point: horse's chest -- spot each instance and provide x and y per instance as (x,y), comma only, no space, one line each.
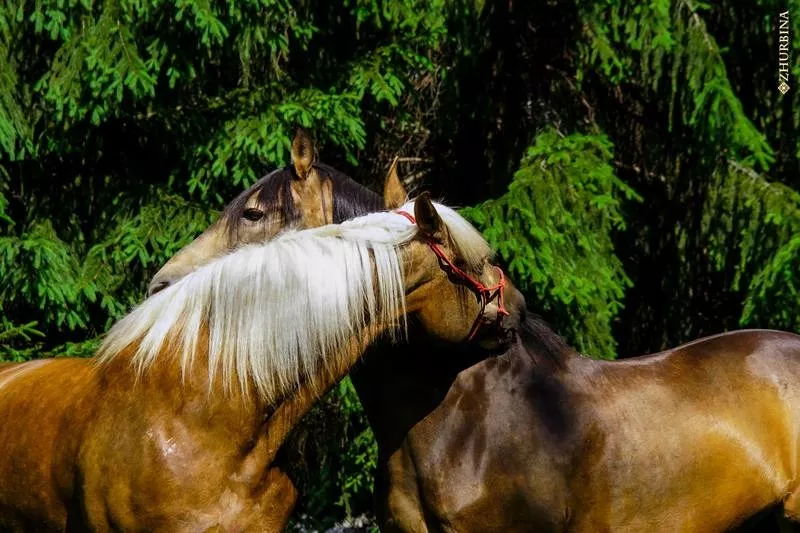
(488,478)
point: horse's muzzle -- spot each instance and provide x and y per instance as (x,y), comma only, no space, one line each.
(503,332)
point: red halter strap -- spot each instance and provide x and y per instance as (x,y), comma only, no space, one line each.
(485,294)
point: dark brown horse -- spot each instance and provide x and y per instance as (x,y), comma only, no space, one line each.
(177,425)
(540,438)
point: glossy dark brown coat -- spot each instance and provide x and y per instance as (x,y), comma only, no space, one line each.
(695,439)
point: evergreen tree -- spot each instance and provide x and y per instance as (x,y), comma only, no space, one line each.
(684,96)
(124,125)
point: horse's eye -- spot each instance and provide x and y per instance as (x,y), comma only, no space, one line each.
(253,215)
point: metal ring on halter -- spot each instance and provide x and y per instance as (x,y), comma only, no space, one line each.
(485,294)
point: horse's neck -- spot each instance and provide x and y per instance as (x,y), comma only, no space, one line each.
(188,398)
(186,410)
(294,406)
(400,385)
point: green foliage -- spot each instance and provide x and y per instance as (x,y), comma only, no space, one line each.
(16,340)
(128,107)
(666,44)
(358,460)
(554,228)
(709,140)
(334,472)
(38,269)
(758,222)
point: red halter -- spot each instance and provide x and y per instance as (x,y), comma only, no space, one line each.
(485,294)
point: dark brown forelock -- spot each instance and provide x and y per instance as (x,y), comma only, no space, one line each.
(350,199)
(273,195)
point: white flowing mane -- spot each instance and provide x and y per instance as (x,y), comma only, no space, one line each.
(280,311)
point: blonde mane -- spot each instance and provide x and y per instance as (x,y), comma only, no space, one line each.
(278,313)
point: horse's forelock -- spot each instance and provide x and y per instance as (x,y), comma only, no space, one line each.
(274,196)
(350,199)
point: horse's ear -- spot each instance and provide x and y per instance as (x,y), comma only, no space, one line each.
(428,220)
(302,153)
(394,194)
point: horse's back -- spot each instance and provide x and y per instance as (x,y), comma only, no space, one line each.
(775,355)
(714,422)
(40,381)
(763,365)
(39,424)
(730,363)
(744,342)
(7,365)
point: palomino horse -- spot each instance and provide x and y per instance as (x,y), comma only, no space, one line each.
(175,426)
(540,438)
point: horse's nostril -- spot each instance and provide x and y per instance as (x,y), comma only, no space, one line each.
(157,286)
